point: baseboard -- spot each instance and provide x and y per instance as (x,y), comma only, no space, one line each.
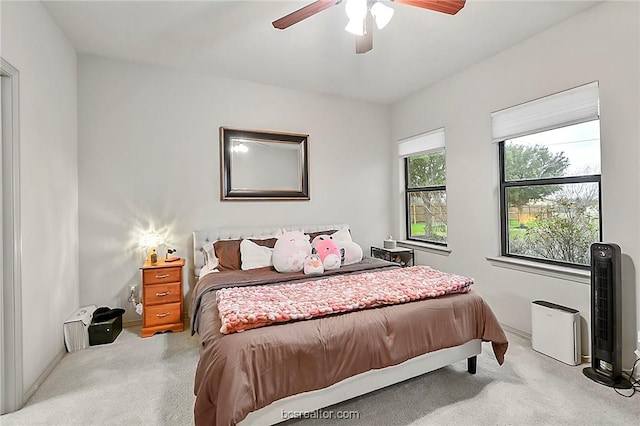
(516,332)
(138,322)
(132,323)
(29,393)
(584,358)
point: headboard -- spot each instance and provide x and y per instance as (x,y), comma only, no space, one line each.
(200,238)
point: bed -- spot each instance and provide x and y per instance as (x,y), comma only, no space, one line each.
(253,377)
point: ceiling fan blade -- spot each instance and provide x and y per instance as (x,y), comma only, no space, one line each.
(364,43)
(450,7)
(303,13)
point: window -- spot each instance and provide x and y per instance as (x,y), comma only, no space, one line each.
(425,187)
(550,179)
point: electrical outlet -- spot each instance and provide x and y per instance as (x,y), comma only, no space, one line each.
(133,293)
(637,352)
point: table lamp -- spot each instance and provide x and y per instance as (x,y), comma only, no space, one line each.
(151,241)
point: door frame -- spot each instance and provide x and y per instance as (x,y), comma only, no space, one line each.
(11,372)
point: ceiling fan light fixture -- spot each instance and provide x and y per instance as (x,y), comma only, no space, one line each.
(382,14)
(355,26)
(356,11)
(362,14)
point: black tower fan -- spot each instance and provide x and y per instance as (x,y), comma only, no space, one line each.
(606,317)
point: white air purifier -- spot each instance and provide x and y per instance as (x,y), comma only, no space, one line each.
(76,328)
(555,331)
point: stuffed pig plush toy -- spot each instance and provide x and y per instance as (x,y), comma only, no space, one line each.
(350,252)
(329,253)
(290,251)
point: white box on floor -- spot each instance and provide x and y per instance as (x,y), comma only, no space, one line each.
(555,331)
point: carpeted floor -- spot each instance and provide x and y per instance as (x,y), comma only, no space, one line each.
(136,381)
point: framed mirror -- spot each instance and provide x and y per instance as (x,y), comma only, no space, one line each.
(263,165)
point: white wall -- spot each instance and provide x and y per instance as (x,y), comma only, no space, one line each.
(599,44)
(149,158)
(33,44)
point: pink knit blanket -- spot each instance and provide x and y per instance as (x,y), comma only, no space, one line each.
(244,308)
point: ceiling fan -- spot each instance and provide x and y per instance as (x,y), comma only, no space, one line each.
(364,13)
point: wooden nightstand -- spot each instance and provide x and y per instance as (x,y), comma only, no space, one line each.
(162,298)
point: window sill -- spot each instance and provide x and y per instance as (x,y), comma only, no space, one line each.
(554,271)
(430,248)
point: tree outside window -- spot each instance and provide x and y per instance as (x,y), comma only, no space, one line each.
(426,197)
(550,189)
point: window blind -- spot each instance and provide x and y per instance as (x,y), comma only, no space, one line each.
(572,106)
(421,144)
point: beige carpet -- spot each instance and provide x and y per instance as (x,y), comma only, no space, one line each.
(136,381)
(132,381)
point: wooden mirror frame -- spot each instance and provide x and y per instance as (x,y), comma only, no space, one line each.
(230,192)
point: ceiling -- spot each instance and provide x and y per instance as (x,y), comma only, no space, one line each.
(235,39)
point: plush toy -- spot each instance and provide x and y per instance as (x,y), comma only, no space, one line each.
(351,252)
(313,265)
(330,254)
(290,251)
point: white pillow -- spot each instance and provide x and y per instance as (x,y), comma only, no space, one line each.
(254,256)
(209,252)
(210,259)
(206,269)
(342,235)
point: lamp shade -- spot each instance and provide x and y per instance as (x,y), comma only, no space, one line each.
(356,11)
(151,240)
(382,14)
(355,26)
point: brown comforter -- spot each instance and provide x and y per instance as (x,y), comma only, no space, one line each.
(242,372)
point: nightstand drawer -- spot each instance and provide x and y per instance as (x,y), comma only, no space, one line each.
(161,293)
(162,314)
(161,275)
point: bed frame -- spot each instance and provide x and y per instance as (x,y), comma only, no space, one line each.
(353,386)
(363,383)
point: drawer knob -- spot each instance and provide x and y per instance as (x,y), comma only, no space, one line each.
(162,276)
(164,293)
(164,314)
